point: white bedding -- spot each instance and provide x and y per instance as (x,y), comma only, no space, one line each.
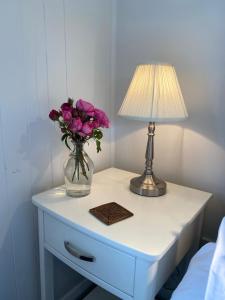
(193,285)
(216,280)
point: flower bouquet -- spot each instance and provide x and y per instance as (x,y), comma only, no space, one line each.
(79,123)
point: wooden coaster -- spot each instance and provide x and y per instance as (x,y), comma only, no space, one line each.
(110,213)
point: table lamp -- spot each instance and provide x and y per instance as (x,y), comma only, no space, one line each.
(154,95)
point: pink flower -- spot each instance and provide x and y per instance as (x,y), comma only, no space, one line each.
(86,107)
(102,118)
(67,115)
(95,124)
(75,125)
(54,115)
(74,113)
(87,129)
(66,107)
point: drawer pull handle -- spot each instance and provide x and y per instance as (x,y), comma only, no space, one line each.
(76,253)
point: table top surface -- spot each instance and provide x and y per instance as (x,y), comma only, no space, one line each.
(157,221)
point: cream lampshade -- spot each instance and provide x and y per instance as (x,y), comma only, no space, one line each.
(154,95)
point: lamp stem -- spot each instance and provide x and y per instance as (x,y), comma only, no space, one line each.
(148,184)
(149,155)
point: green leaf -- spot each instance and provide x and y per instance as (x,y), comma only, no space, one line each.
(70,101)
(63,130)
(66,143)
(64,136)
(61,124)
(98,146)
(98,134)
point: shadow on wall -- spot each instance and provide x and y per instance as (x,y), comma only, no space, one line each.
(21,217)
(6,291)
(40,137)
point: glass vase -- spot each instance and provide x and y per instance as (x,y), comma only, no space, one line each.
(78,172)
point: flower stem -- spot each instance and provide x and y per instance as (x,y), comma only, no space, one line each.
(78,171)
(80,163)
(74,169)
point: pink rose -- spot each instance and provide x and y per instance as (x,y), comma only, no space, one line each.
(75,125)
(66,107)
(74,113)
(54,115)
(86,107)
(67,115)
(87,129)
(95,124)
(102,118)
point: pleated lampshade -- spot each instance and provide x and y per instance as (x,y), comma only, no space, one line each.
(154,95)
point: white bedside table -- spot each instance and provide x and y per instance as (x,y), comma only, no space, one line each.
(131,259)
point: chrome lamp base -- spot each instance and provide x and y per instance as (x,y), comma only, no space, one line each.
(148,184)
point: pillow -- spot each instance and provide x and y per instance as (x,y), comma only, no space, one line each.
(215,288)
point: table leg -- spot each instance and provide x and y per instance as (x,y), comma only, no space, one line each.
(145,280)
(46,263)
(196,243)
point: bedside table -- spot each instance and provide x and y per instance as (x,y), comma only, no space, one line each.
(131,259)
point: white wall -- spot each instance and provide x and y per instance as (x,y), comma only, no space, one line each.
(50,50)
(189,34)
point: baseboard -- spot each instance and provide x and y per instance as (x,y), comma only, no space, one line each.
(78,290)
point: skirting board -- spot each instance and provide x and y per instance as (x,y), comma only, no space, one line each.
(78,290)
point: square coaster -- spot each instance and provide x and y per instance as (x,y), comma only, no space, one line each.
(110,213)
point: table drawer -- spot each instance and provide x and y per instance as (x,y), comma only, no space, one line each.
(108,264)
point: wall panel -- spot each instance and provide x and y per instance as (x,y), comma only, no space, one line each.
(35,78)
(88,27)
